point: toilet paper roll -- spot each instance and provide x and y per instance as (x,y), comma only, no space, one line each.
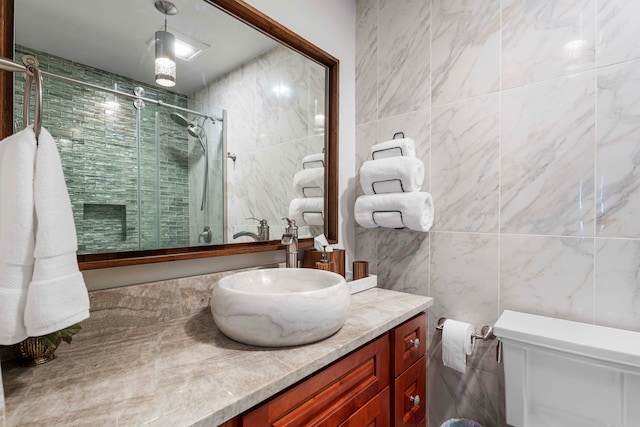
(457,344)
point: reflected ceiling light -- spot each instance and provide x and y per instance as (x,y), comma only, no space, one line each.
(575,49)
(185,51)
(165,63)
(186,48)
(110,107)
(318,118)
(281,91)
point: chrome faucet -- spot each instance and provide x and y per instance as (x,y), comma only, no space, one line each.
(290,239)
(260,236)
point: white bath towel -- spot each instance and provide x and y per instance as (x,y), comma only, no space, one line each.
(395,210)
(57,295)
(392,175)
(309,182)
(307,211)
(17,231)
(313,161)
(395,147)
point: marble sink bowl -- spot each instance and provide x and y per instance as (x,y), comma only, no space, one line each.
(280,307)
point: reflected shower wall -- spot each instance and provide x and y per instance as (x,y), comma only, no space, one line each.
(127,169)
(272,103)
(211,213)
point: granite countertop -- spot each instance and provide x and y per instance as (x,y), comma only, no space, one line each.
(183,372)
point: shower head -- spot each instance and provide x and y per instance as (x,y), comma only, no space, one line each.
(181,120)
(193,128)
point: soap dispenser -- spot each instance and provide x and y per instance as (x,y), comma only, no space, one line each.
(324,263)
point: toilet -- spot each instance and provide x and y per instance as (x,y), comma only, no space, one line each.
(560,373)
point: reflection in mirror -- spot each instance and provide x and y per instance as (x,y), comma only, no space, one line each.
(201,163)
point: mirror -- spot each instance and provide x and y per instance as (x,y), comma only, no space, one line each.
(158,174)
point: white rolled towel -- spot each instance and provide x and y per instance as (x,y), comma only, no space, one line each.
(309,182)
(307,211)
(395,210)
(313,161)
(392,175)
(396,147)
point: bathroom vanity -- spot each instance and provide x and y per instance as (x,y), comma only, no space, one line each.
(382,380)
(183,372)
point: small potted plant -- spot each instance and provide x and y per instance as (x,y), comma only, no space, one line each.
(38,350)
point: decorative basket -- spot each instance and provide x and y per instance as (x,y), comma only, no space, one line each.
(33,352)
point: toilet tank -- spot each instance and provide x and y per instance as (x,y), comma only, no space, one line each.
(563,373)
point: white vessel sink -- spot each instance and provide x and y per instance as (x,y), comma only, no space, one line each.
(280,307)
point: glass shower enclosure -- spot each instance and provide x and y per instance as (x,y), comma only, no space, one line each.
(135,176)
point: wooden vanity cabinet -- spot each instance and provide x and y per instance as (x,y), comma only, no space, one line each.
(375,386)
(374,413)
(409,371)
(332,395)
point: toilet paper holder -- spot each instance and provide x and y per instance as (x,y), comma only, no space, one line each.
(486,333)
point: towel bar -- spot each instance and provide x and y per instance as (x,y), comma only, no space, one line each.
(311,188)
(399,149)
(373,217)
(399,181)
(32,75)
(486,333)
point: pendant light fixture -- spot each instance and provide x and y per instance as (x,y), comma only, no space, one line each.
(165,63)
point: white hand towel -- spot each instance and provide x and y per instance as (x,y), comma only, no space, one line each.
(17,231)
(392,175)
(307,211)
(309,183)
(313,161)
(395,147)
(395,210)
(57,295)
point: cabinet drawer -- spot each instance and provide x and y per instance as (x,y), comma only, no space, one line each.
(410,397)
(330,396)
(409,343)
(374,413)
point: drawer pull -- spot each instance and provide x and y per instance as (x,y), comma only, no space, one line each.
(415,400)
(415,342)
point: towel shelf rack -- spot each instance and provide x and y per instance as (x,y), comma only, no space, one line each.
(31,73)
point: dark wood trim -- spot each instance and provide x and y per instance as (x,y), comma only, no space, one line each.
(6,77)
(269,27)
(120,259)
(332,171)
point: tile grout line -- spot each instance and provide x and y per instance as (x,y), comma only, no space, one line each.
(595,171)
(500,164)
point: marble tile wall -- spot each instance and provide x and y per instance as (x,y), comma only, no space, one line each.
(271,105)
(526,115)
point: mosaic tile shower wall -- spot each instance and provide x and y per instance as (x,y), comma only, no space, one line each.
(97,134)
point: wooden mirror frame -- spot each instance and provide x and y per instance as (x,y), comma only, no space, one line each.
(256,19)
